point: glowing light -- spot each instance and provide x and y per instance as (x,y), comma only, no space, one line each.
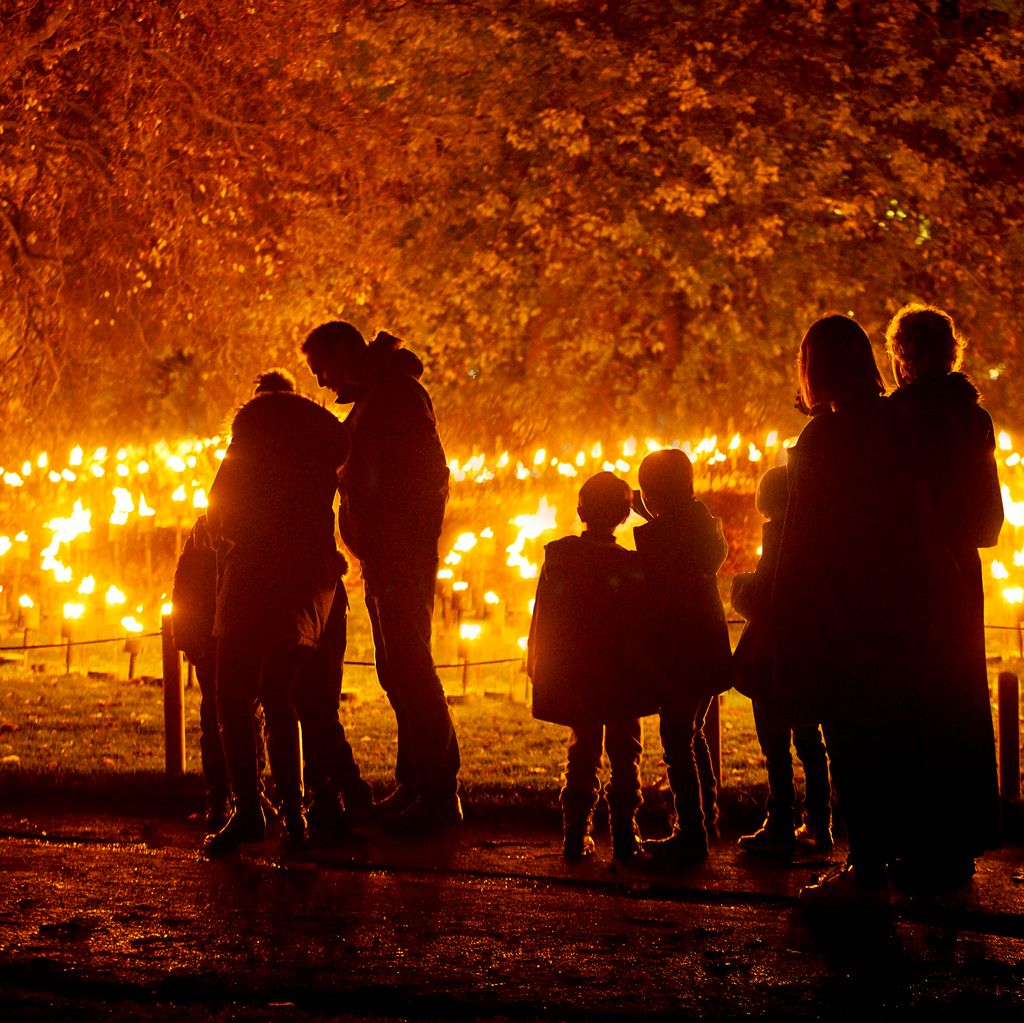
(115,596)
(73,611)
(199,498)
(122,470)
(772,439)
(753,454)
(87,585)
(179,494)
(166,608)
(1004,441)
(1014,510)
(522,643)
(490,597)
(75,458)
(131,624)
(470,630)
(622,465)
(540,457)
(503,461)
(1013,460)
(65,530)
(12,479)
(487,533)
(735,442)
(144,509)
(176,464)
(465,542)
(123,507)
(461,586)
(597,451)
(5,545)
(43,460)
(53,476)
(142,468)
(999,570)
(629,447)
(97,470)
(445,573)
(25,601)
(452,558)
(567,469)
(1014,595)
(26,468)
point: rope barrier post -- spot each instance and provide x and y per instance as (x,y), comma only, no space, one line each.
(1009,735)
(174,703)
(713,736)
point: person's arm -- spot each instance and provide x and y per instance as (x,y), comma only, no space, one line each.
(985,496)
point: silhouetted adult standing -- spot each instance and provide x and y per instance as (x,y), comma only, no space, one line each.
(273,503)
(394,488)
(958,454)
(858,601)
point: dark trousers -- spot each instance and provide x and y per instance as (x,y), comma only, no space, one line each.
(622,739)
(330,767)
(774,730)
(247,677)
(688,759)
(400,603)
(211,751)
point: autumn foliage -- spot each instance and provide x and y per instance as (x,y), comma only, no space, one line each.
(576,211)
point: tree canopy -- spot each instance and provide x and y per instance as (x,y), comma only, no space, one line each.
(583,215)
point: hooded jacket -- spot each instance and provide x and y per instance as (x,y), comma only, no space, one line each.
(394,486)
(272,503)
(586,656)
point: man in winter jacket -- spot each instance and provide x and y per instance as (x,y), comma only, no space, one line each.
(394,488)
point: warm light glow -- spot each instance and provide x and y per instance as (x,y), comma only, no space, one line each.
(522,643)
(465,542)
(772,439)
(179,494)
(25,601)
(166,608)
(5,545)
(461,586)
(490,597)
(1004,441)
(999,570)
(445,573)
(470,630)
(199,499)
(115,596)
(131,624)
(75,458)
(73,611)
(1014,595)
(540,457)
(87,585)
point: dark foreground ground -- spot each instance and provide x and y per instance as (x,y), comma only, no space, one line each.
(120,918)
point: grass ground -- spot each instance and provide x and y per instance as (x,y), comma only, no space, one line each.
(98,735)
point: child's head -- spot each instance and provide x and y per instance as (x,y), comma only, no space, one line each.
(604,502)
(666,480)
(772,494)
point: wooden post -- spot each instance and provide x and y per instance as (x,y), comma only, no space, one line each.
(174,700)
(1009,735)
(713,735)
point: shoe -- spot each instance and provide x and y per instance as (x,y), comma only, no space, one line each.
(577,841)
(359,805)
(326,819)
(395,803)
(216,816)
(427,815)
(627,842)
(680,849)
(296,830)
(847,888)
(769,841)
(816,837)
(242,827)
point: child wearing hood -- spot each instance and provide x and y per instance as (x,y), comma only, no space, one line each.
(589,668)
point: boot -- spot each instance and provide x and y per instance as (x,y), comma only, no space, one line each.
(577,840)
(296,829)
(243,826)
(680,849)
(771,841)
(626,840)
(816,835)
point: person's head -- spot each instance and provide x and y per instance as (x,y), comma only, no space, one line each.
(336,355)
(272,380)
(666,480)
(605,501)
(772,493)
(923,341)
(837,364)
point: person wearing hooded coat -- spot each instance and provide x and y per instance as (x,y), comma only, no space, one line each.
(957,450)
(272,505)
(394,489)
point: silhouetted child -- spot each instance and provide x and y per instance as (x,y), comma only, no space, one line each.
(194,600)
(587,663)
(681,549)
(751,597)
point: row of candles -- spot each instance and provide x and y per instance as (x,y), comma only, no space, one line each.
(62,522)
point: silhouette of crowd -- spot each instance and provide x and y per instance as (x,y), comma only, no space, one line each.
(863,646)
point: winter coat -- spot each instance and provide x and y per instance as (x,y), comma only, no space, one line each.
(586,653)
(860,601)
(680,553)
(394,486)
(272,502)
(751,597)
(194,595)
(957,449)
